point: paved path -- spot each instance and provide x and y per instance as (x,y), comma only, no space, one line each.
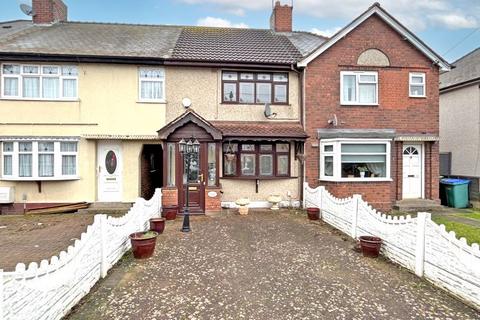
(263,266)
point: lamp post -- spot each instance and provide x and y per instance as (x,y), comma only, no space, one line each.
(189,150)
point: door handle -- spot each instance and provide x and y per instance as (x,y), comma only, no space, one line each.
(411,176)
(201,177)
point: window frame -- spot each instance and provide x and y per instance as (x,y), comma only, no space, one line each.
(57,158)
(22,75)
(337,159)
(357,75)
(162,80)
(410,84)
(255,81)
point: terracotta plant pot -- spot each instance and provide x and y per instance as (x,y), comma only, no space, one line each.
(157,225)
(242,204)
(143,244)
(170,212)
(370,246)
(313,213)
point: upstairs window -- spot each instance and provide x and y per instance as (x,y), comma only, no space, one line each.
(417,84)
(152,84)
(254,87)
(39,82)
(358,88)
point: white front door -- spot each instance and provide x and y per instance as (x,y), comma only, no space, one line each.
(109,171)
(412,171)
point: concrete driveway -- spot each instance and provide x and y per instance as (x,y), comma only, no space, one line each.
(263,266)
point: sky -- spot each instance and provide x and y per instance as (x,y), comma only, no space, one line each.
(450,27)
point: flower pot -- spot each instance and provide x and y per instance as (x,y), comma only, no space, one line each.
(157,225)
(143,244)
(370,246)
(274,199)
(313,213)
(242,204)
(170,212)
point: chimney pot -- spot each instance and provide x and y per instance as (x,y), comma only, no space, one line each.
(281,18)
(49,11)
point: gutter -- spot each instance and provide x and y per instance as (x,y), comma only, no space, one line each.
(460,85)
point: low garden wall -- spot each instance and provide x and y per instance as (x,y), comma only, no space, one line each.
(418,244)
(51,289)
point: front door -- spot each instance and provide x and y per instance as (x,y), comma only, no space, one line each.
(109,160)
(195,177)
(412,171)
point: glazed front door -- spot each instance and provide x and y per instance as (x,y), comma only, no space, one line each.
(196,187)
(109,171)
(412,171)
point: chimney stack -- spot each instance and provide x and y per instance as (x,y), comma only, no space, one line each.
(49,11)
(281,18)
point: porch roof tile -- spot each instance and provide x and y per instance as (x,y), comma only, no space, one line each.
(258,130)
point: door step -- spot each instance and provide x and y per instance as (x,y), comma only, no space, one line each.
(416,205)
(107,208)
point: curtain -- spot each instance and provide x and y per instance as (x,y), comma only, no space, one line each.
(152,90)
(349,93)
(247,92)
(264,93)
(377,168)
(68,147)
(25,165)
(7,165)
(328,166)
(11,87)
(266,165)
(45,165)
(69,88)
(282,165)
(31,87)
(50,88)
(69,165)
(368,93)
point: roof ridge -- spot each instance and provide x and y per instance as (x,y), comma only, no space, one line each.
(16,20)
(465,55)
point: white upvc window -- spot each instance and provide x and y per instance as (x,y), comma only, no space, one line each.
(417,87)
(358,88)
(151,84)
(39,82)
(39,160)
(355,160)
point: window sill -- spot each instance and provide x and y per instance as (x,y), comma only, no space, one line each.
(418,97)
(30,179)
(259,178)
(40,100)
(359,104)
(254,104)
(152,101)
(356,179)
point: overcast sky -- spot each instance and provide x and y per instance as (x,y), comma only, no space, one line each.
(442,24)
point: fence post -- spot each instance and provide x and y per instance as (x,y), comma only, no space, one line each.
(102,219)
(1,295)
(356,201)
(420,247)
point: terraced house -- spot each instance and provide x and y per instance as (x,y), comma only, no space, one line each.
(94,112)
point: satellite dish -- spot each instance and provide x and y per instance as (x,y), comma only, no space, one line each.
(268,111)
(27,9)
(186,102)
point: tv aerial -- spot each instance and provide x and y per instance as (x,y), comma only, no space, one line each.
(26,7)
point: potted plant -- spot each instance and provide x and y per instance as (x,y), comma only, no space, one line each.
(242,204)
(370,246)
(157,225)
(362,170)
(170,212)
(143,244)
(275,199)
(313,213)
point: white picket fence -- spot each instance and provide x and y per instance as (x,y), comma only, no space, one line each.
(51,289)
(418,244)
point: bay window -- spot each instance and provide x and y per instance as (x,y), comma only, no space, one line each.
(356,159)
(151,84)
(39,82)
(417,84)
(39,160)
(358,88)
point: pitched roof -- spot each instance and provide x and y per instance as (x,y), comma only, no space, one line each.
(390,20)
(467,69)
(158,42)
(261,129)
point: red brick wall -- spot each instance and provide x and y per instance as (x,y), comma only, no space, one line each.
(281,19)
(212,203)
(396,110)
(49,11)
(169,197)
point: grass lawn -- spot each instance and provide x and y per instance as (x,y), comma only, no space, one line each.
(471,233)
(472,215)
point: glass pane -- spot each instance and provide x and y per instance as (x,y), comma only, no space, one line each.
(282,165)
(248,147)
(50,87)
(247,94)
(171,164)
(69,71)
(364,169)
(50,70)
(212,165)
(45,146)
(229,92)
(194,172)
(417,79)
(266,147)
(152,73)
(264,77)
(264,93)
(7,165)
(281,93)
(31,87)
(266,165)
(45,165)
(230,165)
(349,93)
(248,164)
(367,93)
(283,147)
(417,90)
(364,148)
(68,147)
(25,146)
(280,77)
(69,88)
(230,76)
(31,69)
(25,165)
(368,78)
(328,148)
(151,90)
(362,158)
(230,147)
(10,87)
(246,76)
(8,147)
(328,166)
(69,165)
(11,69)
